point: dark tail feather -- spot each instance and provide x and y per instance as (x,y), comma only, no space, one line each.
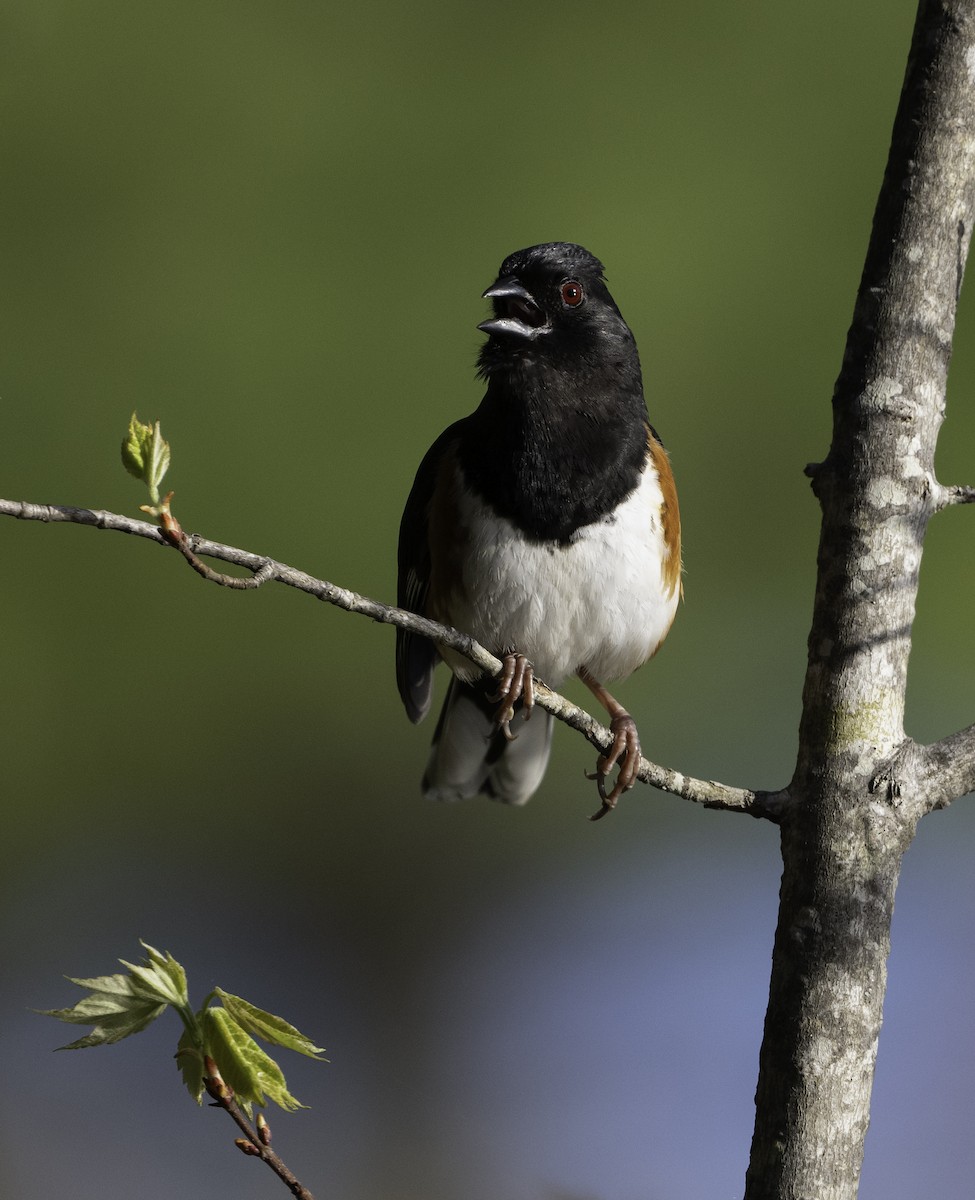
(470,755)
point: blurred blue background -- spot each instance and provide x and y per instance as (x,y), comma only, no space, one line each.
(269,225)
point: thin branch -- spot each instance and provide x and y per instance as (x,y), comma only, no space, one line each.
(255,1142)
(176,537)
(923,778)
(946,769)
(945,497)
(708,793)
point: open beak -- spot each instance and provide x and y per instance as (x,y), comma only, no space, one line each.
(516,314)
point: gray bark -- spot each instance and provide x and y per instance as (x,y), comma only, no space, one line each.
(860,785)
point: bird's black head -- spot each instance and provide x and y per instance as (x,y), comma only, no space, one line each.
(551,305)
(560,436)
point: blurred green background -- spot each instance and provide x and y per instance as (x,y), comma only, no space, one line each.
(269,224)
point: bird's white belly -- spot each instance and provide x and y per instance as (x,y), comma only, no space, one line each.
(599,602)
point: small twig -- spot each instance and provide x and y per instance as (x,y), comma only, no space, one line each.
(945,497)
(946,769)
(173,532)
(708,793)
(256,1141)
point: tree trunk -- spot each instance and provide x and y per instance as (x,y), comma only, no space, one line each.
(860,786)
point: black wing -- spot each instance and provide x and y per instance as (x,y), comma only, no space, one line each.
(417,656)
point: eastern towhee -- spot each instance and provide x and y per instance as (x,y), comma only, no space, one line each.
(545,524)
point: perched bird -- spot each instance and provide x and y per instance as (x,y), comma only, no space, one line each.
(545,524)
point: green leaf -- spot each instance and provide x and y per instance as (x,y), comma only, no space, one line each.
(190,1061)
(170,967)
(119,1005)
(146,454)
(159,458)
(99,1004)
(267,1026)
(120,985)
(253,1075)
(134,447)
(110,1017)
(159,980)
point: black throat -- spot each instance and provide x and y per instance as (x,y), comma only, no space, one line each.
(554,450)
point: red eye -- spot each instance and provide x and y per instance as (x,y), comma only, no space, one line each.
(572,293)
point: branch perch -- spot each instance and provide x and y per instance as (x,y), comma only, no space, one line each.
(708,793)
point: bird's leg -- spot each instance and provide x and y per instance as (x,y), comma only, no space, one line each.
(625,747)
(517,682)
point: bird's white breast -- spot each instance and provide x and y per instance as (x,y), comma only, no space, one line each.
(600,602)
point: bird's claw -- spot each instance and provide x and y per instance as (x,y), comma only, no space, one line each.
(626,747)
(517,682)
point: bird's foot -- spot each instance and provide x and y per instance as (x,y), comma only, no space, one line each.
(625,749)
(517,682)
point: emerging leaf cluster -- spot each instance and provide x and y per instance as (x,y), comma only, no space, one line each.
(146,455)
(223,1029)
